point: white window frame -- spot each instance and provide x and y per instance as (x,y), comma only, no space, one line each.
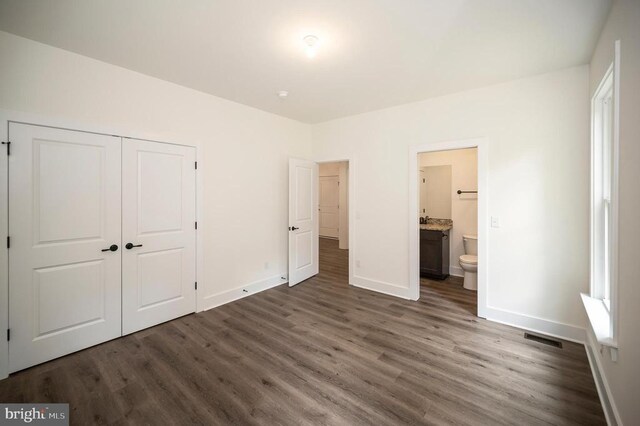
(602,302)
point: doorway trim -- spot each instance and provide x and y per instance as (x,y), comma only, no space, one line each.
(483,223)
(351,196)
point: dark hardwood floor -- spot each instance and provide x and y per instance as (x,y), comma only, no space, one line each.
(322,353)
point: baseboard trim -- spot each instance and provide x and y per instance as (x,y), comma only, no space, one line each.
(215,300)
(380,287)
(568,332)
(602,386)
(456,271)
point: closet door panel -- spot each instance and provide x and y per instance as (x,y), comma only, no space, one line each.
(159,203)
(64,210)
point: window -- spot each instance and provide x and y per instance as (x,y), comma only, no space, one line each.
(605,139)
(601,303)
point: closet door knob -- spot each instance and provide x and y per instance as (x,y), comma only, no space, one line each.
(112,248)
(129,246)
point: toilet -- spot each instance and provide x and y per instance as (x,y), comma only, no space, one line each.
(469,261)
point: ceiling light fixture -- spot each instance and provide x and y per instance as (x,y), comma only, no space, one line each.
(311,45)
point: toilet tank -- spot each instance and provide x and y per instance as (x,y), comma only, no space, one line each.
(470,244)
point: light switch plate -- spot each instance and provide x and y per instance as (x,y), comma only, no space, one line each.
(495,222)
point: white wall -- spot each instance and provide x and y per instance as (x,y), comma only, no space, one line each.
(623,376)
(243,152)
(340,169)
(464,207)
(538,149)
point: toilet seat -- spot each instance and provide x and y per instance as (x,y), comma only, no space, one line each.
(469,259)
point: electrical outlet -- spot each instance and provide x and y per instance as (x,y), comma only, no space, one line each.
(495,222)
(357,263)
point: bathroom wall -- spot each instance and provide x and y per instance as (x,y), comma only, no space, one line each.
(464,207)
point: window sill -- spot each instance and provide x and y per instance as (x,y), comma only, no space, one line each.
(600,320)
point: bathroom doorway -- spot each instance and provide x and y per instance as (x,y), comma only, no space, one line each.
(448,218)
(448,222)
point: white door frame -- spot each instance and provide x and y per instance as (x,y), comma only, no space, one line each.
(7,116)
(483,220)
(4,252)
(351,173)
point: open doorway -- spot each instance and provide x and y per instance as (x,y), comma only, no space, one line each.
(319,216)
(448,220)
(333,217)
(464,189)
(449,214)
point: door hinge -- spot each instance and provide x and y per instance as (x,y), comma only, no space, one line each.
(196,225)
(196,285)
(8,334)
(196,164)
(8,144)
(8,242)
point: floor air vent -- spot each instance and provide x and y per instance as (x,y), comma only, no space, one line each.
(545,340)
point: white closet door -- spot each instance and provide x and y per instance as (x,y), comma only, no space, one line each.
(64,211)
(158,233)
(329,210)
(303,220)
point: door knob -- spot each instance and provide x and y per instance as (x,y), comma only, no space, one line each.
(112,248)
(129,246)
(293,228)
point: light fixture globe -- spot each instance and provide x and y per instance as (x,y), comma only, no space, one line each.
(310,40)
(311,45)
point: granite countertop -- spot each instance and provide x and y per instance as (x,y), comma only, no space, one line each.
(437,225)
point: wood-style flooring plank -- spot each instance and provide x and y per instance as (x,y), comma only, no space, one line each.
(323,353)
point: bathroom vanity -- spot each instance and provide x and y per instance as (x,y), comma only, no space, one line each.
(434,251)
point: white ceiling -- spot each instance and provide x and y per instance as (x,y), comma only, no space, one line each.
(373,54)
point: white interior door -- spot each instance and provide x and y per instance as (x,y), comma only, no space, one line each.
(158,233)
(329,209)
(303,220)
(64,212)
